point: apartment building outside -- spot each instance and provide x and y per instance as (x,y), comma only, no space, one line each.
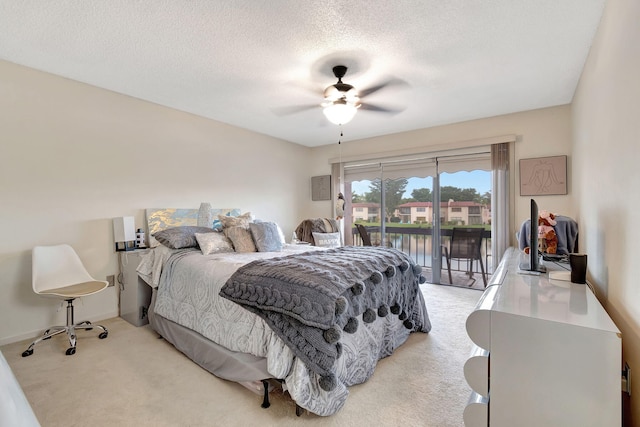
(451,212)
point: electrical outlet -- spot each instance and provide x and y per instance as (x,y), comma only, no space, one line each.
(112,280)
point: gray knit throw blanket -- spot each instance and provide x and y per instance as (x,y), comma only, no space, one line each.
(310,299)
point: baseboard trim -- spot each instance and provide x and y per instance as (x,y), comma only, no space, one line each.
(34,334)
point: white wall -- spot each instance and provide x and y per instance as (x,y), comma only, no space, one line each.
(606,127)
(540,133)
(72,157)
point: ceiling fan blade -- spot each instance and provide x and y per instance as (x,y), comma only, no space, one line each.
(391,82)
(379,109)
(293,109)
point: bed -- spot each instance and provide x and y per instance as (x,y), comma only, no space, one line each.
(314,319)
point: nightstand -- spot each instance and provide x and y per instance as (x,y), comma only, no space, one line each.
(135,293)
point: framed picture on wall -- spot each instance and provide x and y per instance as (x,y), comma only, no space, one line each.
(543,176)
(321,187)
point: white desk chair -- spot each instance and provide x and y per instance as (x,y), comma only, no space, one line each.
(58,272)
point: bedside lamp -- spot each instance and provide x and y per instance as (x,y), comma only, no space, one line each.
(124,233)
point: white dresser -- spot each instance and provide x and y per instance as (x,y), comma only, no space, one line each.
(546,354)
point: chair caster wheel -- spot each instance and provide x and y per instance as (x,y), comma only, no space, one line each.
(103,335)
(27,352)
(71,351)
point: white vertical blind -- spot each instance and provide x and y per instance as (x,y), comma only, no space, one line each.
(465,162)
(369,172)
(420,166)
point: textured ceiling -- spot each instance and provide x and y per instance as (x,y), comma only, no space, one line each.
(246,62)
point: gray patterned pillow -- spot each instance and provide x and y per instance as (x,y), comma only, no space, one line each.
(327,240)
(241,239)
(214,243)
(236,221)
(181,237)
(266,236)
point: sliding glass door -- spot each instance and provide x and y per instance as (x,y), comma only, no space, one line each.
(413,205)
(465,203)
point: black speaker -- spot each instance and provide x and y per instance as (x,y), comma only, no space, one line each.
(578,263)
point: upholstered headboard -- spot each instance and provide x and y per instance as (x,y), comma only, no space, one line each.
(162,218)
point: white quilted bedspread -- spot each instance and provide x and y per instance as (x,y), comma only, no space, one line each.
(192,300)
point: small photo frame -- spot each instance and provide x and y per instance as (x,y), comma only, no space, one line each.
(543,176)
(321,187)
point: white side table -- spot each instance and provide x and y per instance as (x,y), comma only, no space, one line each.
(135,293)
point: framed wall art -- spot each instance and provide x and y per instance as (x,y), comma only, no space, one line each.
(321,187)
(543,176)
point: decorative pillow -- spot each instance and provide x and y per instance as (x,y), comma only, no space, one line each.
(281,235)
(327,240)
(236,221)
(266,236)
(205,215)
(213,243)
(280,232)
(181,237)
(241,239)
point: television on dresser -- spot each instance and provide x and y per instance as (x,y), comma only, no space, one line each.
(533,264)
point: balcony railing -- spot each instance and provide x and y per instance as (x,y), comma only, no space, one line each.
(416,242)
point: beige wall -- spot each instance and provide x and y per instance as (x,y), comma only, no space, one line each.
(540,133)
(606,127)
(72,157)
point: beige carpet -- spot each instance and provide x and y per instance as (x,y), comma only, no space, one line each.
(135,379)
(460,278)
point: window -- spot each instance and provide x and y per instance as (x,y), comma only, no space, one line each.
(385,183)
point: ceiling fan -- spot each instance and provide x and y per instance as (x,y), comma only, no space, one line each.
(342,100)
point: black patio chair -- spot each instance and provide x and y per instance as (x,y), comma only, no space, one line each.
(466,244)
(364,235)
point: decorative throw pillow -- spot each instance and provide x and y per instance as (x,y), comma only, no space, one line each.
(214,243)
(280,232)
(241,239)
(181,237)
(327,240)
(266,236)
(205,215)
(281,235)
(236,221)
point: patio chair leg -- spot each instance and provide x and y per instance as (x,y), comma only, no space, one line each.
(484,276)
(446,256)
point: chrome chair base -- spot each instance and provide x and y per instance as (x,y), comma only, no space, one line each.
(69,329)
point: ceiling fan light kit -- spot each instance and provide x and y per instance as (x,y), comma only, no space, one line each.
(340,112)
(342,101)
